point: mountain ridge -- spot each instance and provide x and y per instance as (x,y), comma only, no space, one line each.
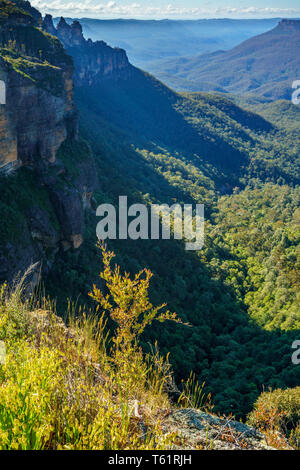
(94,61)
(265,65)
(147,41)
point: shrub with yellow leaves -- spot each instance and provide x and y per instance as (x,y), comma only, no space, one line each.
(66,388)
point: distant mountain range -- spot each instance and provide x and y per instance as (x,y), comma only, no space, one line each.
(147,42)
(265,65)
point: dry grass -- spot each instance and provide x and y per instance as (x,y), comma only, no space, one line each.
(66,388)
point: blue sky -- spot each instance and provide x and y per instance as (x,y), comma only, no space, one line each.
(170,8)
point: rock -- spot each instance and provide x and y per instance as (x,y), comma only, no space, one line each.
(41,228)
(70,36)
(48,25)
(94,61)
(69,211)
(39,113)
(199,430)
(77,34)
(87,181)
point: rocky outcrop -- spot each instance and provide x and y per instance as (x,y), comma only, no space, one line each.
(70,36)
(94,61)
(39,113)
(48,25)
(39,138)
(197,430)
(69,211)
(288,25)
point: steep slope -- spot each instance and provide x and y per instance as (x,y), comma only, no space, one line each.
(155,145)
(222,140)
(265,65)
(225,347)
(158,146)
(42,204)
(38,77)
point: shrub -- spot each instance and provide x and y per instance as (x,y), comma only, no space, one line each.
(277,413)
(68,388)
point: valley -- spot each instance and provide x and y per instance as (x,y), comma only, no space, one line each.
(100,128)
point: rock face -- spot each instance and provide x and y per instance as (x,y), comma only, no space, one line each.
(39,113)
(94,61)
(289,25)
(48,25)
(202,431)
(39,139)
(34,123)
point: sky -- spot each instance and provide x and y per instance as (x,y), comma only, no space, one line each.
(171,9)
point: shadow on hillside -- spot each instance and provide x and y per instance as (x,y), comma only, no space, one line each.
(145,107)
(235,357)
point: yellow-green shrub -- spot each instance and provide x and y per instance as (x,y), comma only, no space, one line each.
(64,388)
(278,411)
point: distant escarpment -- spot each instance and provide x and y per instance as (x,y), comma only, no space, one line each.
(94,61)
(265,66)
(47,174)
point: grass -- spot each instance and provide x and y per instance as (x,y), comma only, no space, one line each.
(74,386)
(40,72)
(70,388)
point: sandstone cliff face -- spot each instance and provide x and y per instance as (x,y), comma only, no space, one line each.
(55,171)
(34,123)
(94,61)
(39,113)
(289,25)
(8,147)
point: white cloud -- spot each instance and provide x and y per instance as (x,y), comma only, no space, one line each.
(113,9)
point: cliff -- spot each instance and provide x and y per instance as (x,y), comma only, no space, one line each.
(39,113)
(94,61)
(48,194)
(288,25)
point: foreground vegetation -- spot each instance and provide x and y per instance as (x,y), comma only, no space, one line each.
(73,388)
(83,388)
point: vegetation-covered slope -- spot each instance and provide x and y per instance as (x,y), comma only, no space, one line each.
(240,293)
(76,388)
(156,146)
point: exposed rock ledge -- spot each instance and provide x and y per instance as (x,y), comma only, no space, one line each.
(199,430)
(94,61)
(192,429)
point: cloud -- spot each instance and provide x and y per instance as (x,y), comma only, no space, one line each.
(113,9)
